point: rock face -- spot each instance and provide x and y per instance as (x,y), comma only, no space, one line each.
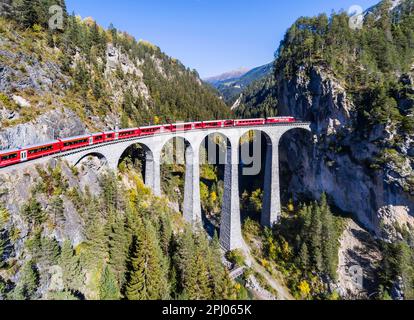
(339,163)
(17,188)
(49,126)
(359,258)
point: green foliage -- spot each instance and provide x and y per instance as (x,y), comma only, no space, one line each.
(303,246)
(33,212)
(199,270)
(108,289)
(236,257)
(72,275)
(398,262)
(28,284)
(147,276)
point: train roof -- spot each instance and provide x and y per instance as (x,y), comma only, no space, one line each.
(279,117)
(9,151)
(152,127)
(40,144)
(130,129)
(77,137)
(250,119)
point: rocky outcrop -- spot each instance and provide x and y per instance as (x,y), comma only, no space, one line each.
(340,163)
(18,187)
(53,124)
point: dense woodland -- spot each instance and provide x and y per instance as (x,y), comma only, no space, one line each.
(135,247)
(175,92)
(303,247)
(127,233)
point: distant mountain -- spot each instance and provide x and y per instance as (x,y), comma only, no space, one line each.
(228,75)
(231,87)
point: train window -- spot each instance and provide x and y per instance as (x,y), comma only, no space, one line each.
(9,157)
(110,136)
(98,138)
(71,143)
(42,149)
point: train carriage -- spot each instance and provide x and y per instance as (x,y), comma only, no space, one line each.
(9,157)
(40,150)
(280,120)
(110,136)
(151,130)
(129,133)
(76,142)
(249,122)
(98,138)
(213,124)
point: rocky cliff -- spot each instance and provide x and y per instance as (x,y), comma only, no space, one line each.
(358,94)
(87,79)
(341,162)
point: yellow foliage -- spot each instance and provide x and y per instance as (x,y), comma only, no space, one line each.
(264,263)
(304,289)
(156,120)
(213,196)
(286,250)
(37,28)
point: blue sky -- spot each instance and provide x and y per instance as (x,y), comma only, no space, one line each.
(211,36)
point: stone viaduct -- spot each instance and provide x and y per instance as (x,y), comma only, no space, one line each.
(230,228)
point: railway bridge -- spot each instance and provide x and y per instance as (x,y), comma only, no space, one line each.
(230,228)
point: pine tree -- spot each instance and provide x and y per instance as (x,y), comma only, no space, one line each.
(57,209)
(33,212)
(304,257)
(118,247)
(316,238)
(147,274)
(27,13)
(28,282)
(72,273)
(328,239)
(50,251)
(217,272)
(95,236)
(108,288)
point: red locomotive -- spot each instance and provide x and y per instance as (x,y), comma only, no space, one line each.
(14,156)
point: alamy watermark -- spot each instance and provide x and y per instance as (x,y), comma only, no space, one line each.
(56,18)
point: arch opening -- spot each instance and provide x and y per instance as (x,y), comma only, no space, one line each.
(93,159)
(137,157)
(296,154)
(174,156)
(253,154)
(213,157)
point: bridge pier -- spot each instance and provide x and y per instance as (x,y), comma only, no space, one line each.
(192,202)
(271,198)
(156,176)
(230,228)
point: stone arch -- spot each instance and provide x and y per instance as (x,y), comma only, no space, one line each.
(255,171)
(296,151)
(147,155)
(95,154)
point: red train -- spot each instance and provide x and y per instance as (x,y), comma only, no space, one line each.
(14,156)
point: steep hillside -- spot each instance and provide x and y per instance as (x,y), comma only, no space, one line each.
(231,88)
(356,86)
(85,78)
